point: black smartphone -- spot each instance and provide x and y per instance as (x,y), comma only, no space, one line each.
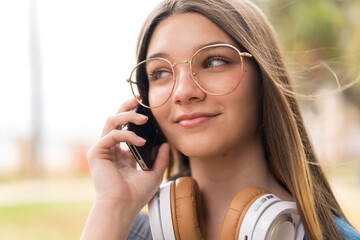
(150,131)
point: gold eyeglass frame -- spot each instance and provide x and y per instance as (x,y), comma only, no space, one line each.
(193,75)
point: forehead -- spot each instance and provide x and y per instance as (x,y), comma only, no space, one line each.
(183,34)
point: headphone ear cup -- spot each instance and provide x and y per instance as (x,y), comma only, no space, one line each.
(160,214)
(186,208)
(239,206)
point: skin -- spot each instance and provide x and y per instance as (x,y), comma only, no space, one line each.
(222,164)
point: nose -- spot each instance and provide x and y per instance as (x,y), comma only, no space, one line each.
(186,91)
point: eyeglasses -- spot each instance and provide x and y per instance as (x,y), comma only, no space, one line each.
(216,69)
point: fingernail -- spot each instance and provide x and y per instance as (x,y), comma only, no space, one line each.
(143,117)
(141,140)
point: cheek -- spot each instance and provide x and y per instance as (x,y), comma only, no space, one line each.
(160,91)
(155,96)
(247,99)
(160,115)
(253,100)
(251,82)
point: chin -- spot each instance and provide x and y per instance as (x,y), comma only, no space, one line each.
(199,149)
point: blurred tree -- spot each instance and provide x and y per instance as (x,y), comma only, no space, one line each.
(312,31)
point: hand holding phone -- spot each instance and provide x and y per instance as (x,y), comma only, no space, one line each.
(116,180)
(150,131)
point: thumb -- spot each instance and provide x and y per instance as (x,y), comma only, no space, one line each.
(162,160)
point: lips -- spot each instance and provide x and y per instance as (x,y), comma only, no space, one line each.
(194,119)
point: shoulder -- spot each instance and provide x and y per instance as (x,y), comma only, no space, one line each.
(141,228)
(346,230)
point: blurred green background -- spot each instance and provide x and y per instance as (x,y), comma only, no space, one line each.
(312,32)
(320,40)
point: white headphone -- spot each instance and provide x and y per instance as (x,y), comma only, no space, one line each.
(254,214)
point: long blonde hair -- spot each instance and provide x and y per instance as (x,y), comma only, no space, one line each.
(288,149)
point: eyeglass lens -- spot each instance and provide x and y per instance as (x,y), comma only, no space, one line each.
(216,70)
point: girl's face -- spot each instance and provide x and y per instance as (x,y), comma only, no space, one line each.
(196,123)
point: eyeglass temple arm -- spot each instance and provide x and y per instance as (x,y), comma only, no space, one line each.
(245,54)
(129,81)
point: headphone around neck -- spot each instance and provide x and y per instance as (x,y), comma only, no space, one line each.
(175,212)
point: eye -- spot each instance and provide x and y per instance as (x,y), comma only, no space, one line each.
(212,62)
(159,74)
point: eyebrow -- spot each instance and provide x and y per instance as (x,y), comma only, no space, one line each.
(196,48)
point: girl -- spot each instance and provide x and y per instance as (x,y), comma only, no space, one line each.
(217,86)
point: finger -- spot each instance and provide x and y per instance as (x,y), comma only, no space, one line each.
(162,160)
(118,120)
(126,160)
(128,105)
(116,136)
(126,154)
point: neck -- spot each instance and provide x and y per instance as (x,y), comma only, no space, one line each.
(220,178)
